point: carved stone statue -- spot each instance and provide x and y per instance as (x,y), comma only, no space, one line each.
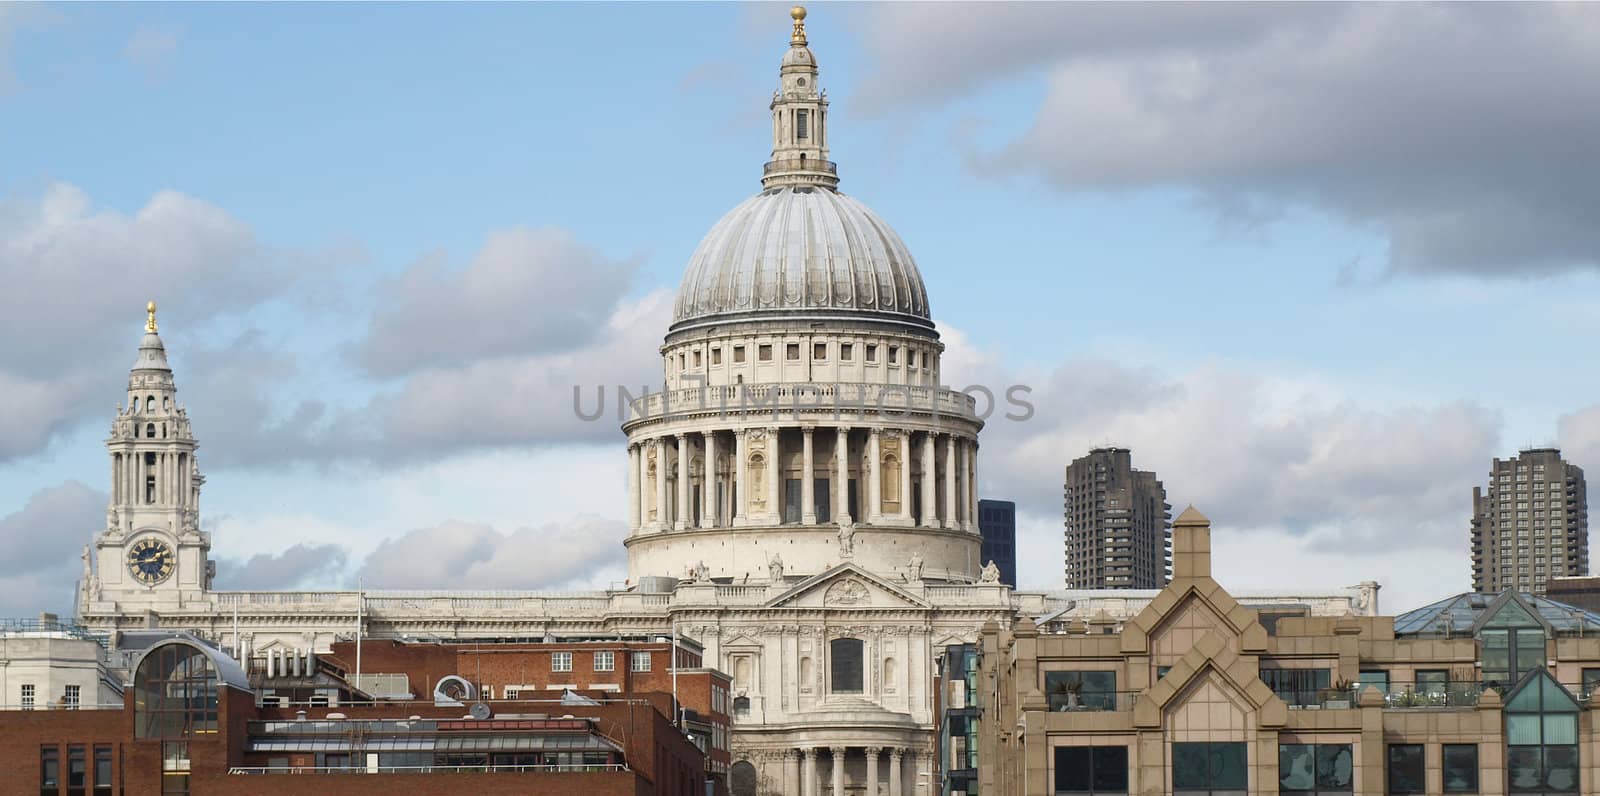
(1366,603)
(991,573)
(775,569)
(914,571)
(700,573)
(847,534)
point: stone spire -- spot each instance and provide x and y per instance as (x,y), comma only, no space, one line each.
(799,119)
(152,446)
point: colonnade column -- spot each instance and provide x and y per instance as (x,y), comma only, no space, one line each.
(950,481)
(741,478)
(683,514)
(874,478)
(972,481)
(808,774)
(791,771)
(709,510)
(872,770)
(644,487)
(905,478)
(841,457)
(930,500)
(773,474)
(838,770)
(663,520)
(964,516)
(896,778)
(808,490)
(633,488)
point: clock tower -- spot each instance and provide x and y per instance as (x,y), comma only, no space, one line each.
(152,554)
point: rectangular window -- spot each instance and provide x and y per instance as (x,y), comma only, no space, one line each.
(102,769)
(845,659)
(1315,768)
(894,354)
(819,351)
(49,770)
(764,352)
(716,356)
(801,117)
(847,351)
(1433,681)
(791,352)
(911,357)
(1297,687)
(640,662)
(1209,767)
(1407,770)
(1081,690)
(1091,770)
(605,661)
(77,770)
(872,352)
(27,696)
(512,692)
(69,700)
(1591,682)
(1460,768)
(738,353)
(560,661)
(697,359)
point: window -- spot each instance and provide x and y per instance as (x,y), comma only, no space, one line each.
(1512,644)
(27,696)
(697,359)
(1092,770)
(741,706)
(872,352)
(70,698)
(738,353)
(512,692)
(1433,681)
(175,693)
(847,351)
(764,352)
(800,118)
(1460,768)
(1209,767)
(640,662)
(1541,737)
(49,771)
(102,769)
(1407,772)
(1315,768)
(560,661)
(819,351)
(844,658)
(1081,690)
(894,354)
(1591,682)
(77,770)
(716,356)
(791,352)
(1297,687)
(605,661)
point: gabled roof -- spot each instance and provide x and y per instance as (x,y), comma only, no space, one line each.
(1463,614)
(820,582)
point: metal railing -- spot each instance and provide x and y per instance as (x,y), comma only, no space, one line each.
(797,164)
(575,768)
(57,705)
(1092,701)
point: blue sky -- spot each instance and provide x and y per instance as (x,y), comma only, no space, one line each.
(1316,292)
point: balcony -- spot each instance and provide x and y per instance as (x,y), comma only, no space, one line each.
(842,398)
(800,164)
(1092,701)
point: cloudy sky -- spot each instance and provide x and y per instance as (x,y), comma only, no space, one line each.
(1315,264)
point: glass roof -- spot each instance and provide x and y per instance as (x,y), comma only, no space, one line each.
(1460,614)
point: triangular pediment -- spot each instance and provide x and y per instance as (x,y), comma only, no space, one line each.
(846,587)
(1194,600)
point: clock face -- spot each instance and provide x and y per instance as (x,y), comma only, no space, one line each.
(151,561)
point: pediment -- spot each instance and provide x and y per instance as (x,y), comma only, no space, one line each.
(846,587)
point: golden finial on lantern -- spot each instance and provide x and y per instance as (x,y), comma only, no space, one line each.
(799,14)
(150,325)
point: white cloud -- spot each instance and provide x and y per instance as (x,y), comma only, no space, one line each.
(43,540)
(585,552)
(299,566)
(1464,133)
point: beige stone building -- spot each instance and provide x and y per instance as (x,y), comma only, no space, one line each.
(1199,694)
(1531,524)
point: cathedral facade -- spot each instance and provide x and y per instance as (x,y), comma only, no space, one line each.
(802,498)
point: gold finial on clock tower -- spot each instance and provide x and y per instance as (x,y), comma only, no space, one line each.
(799,14)
(150,325)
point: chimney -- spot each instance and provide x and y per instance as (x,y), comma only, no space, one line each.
(1191,545)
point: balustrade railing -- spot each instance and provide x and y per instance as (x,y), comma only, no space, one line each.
(796,164)
(844,398)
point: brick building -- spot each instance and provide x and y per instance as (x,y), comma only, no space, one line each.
(190,725)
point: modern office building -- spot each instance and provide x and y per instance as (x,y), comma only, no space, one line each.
(1530,524)
(1200,694)
(1582,591)
(1118,524)
(997,521)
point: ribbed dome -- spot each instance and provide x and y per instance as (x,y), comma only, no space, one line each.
(801,251)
